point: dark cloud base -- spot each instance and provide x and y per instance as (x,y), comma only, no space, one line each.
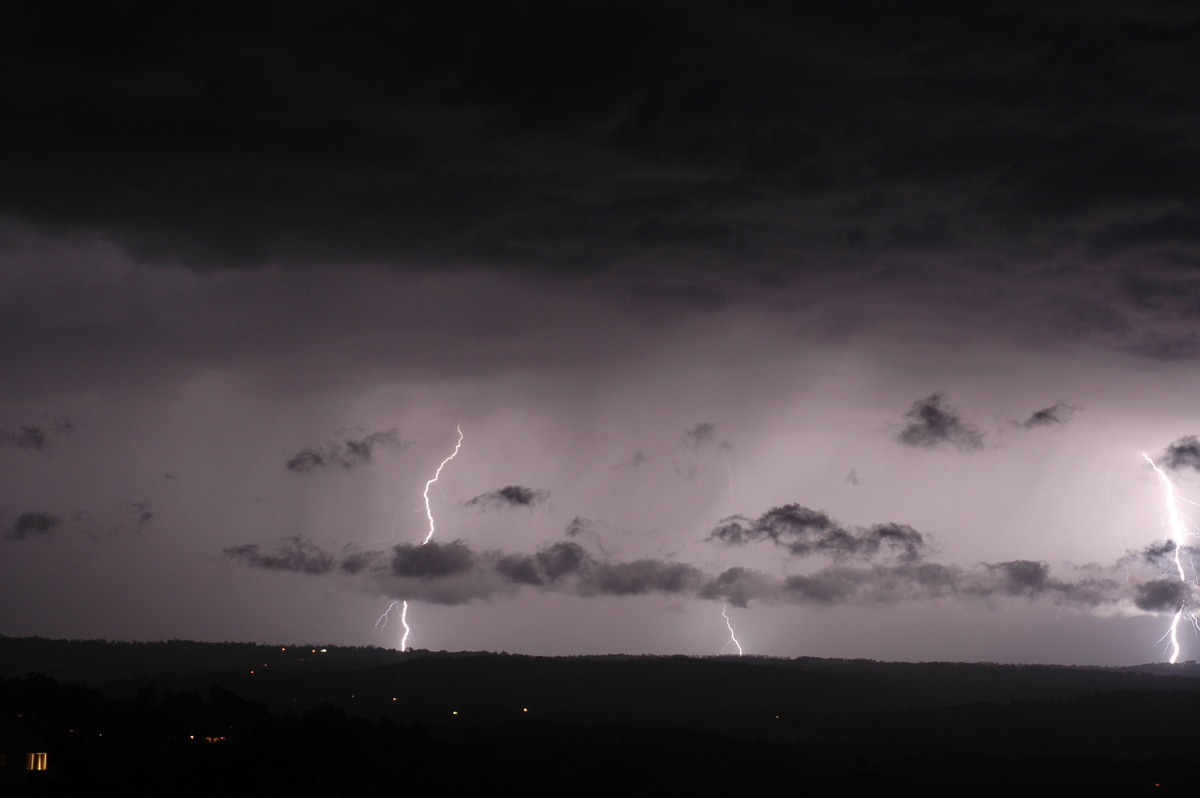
(1182,454)
(607,133)
(454,573)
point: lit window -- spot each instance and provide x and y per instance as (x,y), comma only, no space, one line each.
(35,761)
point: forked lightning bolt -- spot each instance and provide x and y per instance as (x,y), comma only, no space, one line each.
(381,624)
(1179,529)
(729,625)
(436,474)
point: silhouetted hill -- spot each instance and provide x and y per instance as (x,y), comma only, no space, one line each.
(428,686)
(99,661)
(378,722)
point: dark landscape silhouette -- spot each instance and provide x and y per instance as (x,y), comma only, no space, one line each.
(245,719)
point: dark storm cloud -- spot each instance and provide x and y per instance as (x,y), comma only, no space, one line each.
(880,584)
(509,496)
(578,136)
(1158,553)
(1162,595)
(1182,453)
(36,436)
(641,576)
(354,561)
(932,423)
(922,581)
(348,453)
(550,564)
(432,559)
(804,532)
(1176,231)
(32,525)
(1088,588)
(738,586)
(454,573)
(1055,415)
(1023,577)
(293,554)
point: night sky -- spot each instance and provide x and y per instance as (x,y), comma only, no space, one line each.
(857,317)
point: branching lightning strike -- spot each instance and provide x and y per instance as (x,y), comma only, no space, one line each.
(1179,528)
(381,624)
(436,474)
(383,619)
(729,625)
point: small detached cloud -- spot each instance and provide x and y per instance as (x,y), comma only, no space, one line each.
(348,453)
(32,525)
(1181,454)
(1056,414)
(128,517)
(36,437)
(931,423)
(508,496)
(294,554)
(703,433)
(579,525)
(696,439)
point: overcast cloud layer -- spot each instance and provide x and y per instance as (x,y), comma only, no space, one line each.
(858,319)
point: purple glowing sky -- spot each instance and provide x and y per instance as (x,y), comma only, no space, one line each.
(880,310)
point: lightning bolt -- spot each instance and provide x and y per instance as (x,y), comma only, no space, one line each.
(404,623)
(436,474)
(1179,529)
(381,624)
(729,625)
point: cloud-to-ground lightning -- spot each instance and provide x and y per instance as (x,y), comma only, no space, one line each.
(382,622)
(1178,527)
(436,474)
(404,623)
(729,625)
